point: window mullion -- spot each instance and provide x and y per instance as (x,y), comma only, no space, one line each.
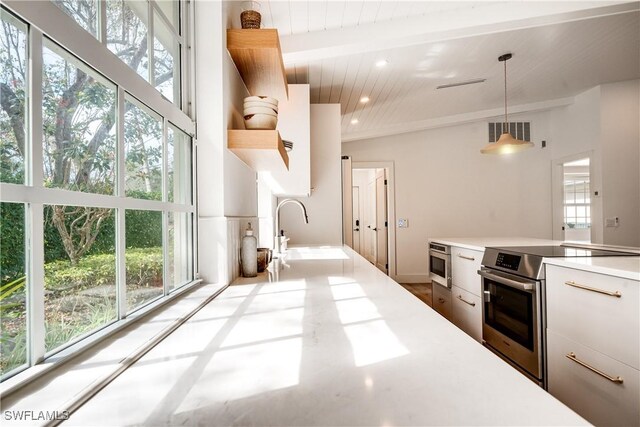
(150,37)
(165,198)
(35,216)
(102,21)
(121,281)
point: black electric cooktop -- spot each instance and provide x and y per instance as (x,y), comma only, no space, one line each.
(563,251)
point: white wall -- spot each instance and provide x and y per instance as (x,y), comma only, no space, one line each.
(620,142)
(575,130)
(446,188)
(324,206)
(605,121)
(227,196)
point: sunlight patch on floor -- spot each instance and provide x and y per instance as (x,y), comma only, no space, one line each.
(373,342)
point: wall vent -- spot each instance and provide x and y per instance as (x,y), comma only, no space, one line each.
(520,130)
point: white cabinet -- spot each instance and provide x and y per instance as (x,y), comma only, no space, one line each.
(593,340)
(465,264)
(467,312)
(442,300)
(466,290)
(294,124)
(585,307)
(600,400)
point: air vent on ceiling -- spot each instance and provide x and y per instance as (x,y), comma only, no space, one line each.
(519,130)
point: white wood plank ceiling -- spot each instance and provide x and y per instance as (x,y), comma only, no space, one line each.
(559,50)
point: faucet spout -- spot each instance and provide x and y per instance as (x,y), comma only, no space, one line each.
(278,241)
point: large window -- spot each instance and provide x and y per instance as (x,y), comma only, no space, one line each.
(144,34)
(13,99)
(96,195)
(79,115)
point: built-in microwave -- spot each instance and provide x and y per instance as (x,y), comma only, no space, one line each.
(440,264)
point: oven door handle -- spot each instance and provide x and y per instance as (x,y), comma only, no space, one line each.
(523,286)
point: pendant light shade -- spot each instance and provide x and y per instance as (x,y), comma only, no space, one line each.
(506,143)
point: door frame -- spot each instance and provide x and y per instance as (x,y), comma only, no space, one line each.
(391,208)
(557,196)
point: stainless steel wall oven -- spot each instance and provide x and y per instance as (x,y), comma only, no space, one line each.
(440,264)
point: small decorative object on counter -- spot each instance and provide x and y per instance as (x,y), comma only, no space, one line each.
(250,17)
(264,258)
(249,254)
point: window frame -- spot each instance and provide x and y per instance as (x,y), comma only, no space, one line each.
(47,21)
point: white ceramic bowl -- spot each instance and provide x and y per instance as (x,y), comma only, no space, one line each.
(260,110)
(260,104)
(262,99)
(260,121)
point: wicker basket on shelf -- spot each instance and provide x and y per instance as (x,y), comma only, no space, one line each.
(250,19)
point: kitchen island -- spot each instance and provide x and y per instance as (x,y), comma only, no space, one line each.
(324,338)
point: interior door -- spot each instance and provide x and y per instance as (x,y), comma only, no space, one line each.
(370,220)
(356,219)
(381,221)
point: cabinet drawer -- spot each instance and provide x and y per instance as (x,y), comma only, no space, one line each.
(608,324)
(599,400)
(442,300)
(467,312)
(465,264)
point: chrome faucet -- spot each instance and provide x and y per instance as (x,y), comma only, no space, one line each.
(279,242)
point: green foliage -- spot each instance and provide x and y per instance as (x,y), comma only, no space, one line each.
(11,241)
(144,229)
(98,270)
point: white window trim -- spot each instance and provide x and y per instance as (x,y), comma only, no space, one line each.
(61,28)
(45,18)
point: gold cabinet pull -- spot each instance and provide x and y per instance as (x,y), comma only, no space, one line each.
(617,380)
(472,304)
(470,258)
(616,294)
(441,300)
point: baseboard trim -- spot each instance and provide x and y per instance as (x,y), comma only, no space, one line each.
(412,278)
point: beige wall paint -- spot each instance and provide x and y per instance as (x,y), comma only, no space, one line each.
(324,206)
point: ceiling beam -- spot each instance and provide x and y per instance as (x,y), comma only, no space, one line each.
(457,119)
(481,19)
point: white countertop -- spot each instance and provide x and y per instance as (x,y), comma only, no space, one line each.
(627,267)
(480,243)
(329,341)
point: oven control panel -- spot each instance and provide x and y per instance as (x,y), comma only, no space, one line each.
(508,261)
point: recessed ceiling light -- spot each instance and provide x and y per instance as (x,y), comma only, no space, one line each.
(382,63)
(364,99)
(354,121)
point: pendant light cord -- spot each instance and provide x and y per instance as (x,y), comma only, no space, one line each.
(506,121)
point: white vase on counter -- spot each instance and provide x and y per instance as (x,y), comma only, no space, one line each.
(249,254)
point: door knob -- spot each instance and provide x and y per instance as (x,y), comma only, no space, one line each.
(375,229)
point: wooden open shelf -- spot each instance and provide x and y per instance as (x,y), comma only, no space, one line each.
(258,58)
(262,150)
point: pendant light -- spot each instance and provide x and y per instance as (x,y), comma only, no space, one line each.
(506,143)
